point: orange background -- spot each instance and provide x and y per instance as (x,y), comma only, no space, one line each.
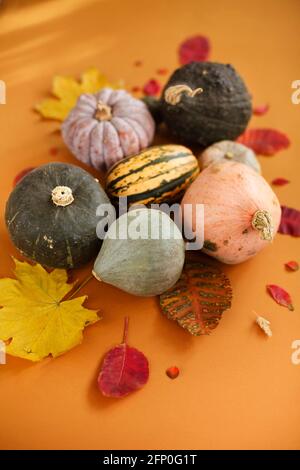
(236,389)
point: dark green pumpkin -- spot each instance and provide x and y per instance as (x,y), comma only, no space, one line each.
(206,102)
(59,234)
(155,175)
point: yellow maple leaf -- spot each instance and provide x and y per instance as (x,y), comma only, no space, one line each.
(33,316)
(67,90)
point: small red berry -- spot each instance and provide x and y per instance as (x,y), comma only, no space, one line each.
(172,372)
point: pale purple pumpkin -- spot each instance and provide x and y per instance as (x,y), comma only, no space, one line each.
(106,126)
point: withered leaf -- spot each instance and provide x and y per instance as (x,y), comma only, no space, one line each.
(199,298)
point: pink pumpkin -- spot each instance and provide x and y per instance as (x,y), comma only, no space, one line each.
(106,126)
(241,212)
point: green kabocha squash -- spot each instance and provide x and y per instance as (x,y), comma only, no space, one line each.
(142,253)
(51,215)
(205,102)
(156,175)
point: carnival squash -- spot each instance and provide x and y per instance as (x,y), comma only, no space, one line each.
(156,175)
(227,150)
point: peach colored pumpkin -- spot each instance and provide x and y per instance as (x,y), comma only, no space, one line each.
(106,126)
(241,212)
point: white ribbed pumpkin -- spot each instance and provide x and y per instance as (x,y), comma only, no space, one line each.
(106,126)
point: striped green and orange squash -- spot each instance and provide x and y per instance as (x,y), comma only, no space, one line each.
(155,175)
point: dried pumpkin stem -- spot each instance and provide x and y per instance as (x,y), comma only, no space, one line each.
(103,112)
(62,196)
(262,222)
(229,155)
(174,93)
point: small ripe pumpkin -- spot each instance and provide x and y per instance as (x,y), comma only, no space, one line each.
(51,215)
(156,175)
(241,212)
(205,102)
(142,253)
(227,150)
(106,126)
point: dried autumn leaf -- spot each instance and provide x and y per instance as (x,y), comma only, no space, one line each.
(162,71)
(195,48)
(151,88)
(35,319)
(264,141)
(198,299)
(290,221)
(281,296)
(124,369)
(265,325)
(53,151)
(280,181)
(261,109)
(292,266)
(67,90)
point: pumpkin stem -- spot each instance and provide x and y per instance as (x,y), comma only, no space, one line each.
(173,93)
(103,112)
(62,196)
(262,221)
(229,155)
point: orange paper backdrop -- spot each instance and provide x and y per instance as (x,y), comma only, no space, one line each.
(236,388)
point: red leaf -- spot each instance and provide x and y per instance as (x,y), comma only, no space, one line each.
(162,71)
(292,266)
(172,372)
(124,369)
(261,109)
(21,175)
(151,88)
(280,181)
(53,151)
(264,141)
(199,298)
(290,221)
(281,296)
(196,48)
